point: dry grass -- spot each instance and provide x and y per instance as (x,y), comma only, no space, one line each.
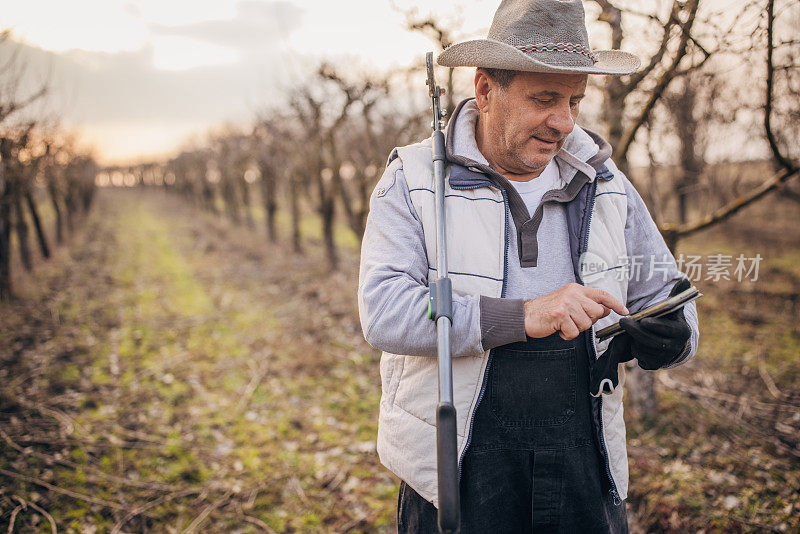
(176,373)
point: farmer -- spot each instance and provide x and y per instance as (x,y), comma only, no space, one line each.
(546,240)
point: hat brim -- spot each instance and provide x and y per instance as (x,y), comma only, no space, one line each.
(491,54)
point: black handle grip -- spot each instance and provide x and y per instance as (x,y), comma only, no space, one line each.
(447,458)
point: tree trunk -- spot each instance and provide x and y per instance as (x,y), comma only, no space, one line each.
(294,194)
(209,198)
(327,197)
(21,228)
(272,231)
(244,187)
(87,196)
(37,223)
(268,198)
(451,97)
(640,385)
(356,214)
(59,222)
(5,241)
(690,164)
(231,202)
(71,208)
(613,115)
(327,232)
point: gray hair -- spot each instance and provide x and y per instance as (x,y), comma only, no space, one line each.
(501,76)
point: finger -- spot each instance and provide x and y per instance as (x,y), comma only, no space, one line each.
(661,326)
(676,315)
(601,297)
(621,344)
(594,310)
(581,319)
(569,330)
(641,335)
(682,285)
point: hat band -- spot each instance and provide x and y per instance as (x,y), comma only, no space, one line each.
(571,48)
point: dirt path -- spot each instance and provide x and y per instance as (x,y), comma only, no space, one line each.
(181,374)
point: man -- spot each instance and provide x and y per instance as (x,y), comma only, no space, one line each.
(542,232)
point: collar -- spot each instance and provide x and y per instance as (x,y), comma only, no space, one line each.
(583,151)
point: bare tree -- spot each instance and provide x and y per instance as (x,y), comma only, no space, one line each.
(14,99)
(678,53)
(787,167)
(271,149)
(442,37)
(321,112)
(681,84)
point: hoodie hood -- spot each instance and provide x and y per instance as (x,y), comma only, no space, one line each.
(583,151)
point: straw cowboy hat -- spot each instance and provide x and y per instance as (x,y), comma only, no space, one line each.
(539,36)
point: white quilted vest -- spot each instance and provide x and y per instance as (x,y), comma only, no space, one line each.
(477,227)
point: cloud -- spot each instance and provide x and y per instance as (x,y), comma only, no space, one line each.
(121,93)
(255,26)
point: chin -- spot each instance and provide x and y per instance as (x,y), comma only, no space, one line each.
(538,160)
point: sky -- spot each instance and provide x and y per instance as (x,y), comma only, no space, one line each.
(136,78)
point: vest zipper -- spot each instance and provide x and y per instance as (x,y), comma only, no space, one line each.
(593,352)
(489,359)
(585,245)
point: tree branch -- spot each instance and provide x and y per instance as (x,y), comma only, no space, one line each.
(666,77)
(726,211)
(635,79)
(773,143)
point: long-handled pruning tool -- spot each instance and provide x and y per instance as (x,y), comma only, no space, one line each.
(441,311)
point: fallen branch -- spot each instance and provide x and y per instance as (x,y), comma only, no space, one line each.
(258,375)
(250,519)
(759,526)
(13,518)
(152,504)
(205,513)
(762,371)
(257,522)
(41,510)
(69,493)
(295,484)
(96,476)
(66,422)
(725,415)
(719,395)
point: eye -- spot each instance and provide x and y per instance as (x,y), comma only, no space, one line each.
(543,101)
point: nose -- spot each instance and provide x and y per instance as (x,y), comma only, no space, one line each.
(561,119)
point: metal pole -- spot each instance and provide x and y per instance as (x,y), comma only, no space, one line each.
(441,311)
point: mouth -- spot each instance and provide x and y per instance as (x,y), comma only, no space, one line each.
(546,143)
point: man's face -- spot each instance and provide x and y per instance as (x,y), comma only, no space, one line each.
(527,122)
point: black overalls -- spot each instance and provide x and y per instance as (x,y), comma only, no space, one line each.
(533,463)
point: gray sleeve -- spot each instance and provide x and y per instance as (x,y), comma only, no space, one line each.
(393,279)
(502,321)
(652,266)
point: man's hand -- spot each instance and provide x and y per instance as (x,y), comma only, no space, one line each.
(658,341)
(569,311)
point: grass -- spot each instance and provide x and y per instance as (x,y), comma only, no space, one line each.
(173,371)
(203,375)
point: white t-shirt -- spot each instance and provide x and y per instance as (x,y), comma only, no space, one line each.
(532,191)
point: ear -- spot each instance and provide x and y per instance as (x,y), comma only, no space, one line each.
(483,86)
